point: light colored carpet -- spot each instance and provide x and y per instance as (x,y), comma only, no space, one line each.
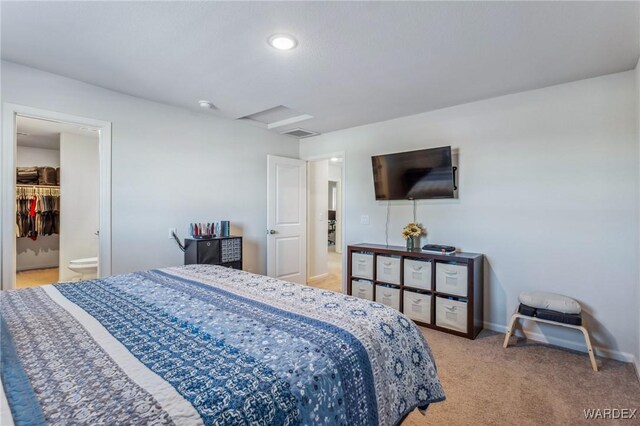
(36,277)
(526,384)
(333,281)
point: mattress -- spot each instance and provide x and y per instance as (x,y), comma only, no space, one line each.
(204,344)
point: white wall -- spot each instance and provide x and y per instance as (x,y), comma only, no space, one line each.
(318,205)
(28,157)
(548,192)
(169,167)
(43,252)
(335,174)
(637,72)
(79,203)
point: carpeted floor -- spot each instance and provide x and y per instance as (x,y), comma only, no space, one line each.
(526,384)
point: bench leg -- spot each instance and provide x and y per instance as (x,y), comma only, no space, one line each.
(512,323)
(592,356)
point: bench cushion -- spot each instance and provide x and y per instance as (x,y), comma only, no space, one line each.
(573,319)
(550,301)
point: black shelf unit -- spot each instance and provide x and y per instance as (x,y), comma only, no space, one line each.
(223,251)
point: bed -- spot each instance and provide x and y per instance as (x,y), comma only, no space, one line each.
(209,345)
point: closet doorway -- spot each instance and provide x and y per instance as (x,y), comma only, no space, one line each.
(53,179)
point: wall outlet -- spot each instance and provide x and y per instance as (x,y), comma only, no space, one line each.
(171,231)
(364,219)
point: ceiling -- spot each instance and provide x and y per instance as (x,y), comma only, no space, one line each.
(356,62)
(45,134)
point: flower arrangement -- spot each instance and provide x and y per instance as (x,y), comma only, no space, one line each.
(412,230)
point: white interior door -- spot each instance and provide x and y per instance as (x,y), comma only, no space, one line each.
(287,219)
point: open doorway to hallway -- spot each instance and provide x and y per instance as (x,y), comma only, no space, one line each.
(324,241)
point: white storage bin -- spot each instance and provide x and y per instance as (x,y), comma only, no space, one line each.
(389,296)
(451,279)
(451,314)
(417,273)
(362,289)
(362,265)
(417,306)
(388,269)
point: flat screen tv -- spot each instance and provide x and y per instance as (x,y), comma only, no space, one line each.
(414,175)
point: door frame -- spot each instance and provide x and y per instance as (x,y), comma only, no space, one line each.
(10,112)
(343,199)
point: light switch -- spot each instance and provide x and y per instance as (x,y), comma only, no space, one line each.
(364,219)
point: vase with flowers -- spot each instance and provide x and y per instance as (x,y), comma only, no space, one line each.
(412,233)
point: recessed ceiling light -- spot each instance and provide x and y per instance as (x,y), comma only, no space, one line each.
(206,104)
(334,159)
(283,41)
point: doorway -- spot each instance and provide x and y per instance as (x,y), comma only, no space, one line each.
(325,183)
(56,237)
(56,198)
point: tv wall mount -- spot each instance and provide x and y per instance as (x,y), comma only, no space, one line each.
(455,186)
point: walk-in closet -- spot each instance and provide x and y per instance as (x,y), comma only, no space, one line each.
(56,202)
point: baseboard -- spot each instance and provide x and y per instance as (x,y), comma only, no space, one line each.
(568,344)
(318,277)
(35,267)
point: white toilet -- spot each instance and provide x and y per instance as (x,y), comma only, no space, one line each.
(87,267)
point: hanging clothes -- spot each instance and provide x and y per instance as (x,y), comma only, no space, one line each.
(37,211)
(56,215)
(33,221)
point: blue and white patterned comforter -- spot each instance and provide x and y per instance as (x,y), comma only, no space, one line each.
(207,345)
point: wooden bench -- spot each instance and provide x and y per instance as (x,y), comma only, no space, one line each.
(584,331)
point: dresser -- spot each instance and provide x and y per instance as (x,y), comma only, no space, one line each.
(223,251)
(439,291)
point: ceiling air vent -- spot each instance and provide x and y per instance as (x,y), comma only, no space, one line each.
(300,133)
(275,117)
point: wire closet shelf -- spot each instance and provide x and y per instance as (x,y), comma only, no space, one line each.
(37,190)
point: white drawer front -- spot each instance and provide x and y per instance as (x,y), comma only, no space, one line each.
(362,289)
(388,296)
(362,265)
(417,306)
(388,269)
(451,279)
(417,273)
(451,314)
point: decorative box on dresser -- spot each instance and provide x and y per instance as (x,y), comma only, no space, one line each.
(439,291)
